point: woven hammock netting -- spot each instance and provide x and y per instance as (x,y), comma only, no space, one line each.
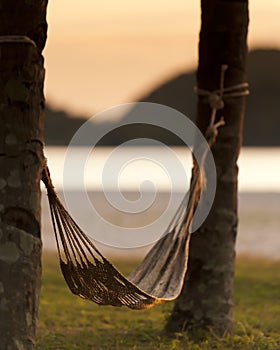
(160,275)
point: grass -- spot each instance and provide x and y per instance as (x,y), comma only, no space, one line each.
(67,322)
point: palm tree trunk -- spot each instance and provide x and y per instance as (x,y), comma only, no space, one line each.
(207,297)
(22,38)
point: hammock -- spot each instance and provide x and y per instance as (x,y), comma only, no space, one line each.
(157,279)
(160,276)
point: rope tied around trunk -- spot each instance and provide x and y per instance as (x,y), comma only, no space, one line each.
(17,39)
(216,98)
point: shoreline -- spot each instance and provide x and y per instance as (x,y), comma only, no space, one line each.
(258,232)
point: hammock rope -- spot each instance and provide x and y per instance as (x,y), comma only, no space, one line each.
(160,276)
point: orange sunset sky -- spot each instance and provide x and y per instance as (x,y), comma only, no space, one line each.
(100,54)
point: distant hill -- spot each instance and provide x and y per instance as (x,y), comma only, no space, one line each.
(262,120)
(60,126)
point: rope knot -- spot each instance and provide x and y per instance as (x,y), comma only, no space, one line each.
(216,101)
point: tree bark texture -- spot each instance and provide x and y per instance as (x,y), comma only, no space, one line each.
(21,137)
(207,297)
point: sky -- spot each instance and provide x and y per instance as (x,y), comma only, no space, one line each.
(101,54)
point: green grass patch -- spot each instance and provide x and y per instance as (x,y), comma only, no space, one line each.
(67,322)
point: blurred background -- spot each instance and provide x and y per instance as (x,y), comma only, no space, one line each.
(103,54)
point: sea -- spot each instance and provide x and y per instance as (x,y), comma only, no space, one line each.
(125,197)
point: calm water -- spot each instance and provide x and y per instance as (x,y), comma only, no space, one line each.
(259,168)
(145,178)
